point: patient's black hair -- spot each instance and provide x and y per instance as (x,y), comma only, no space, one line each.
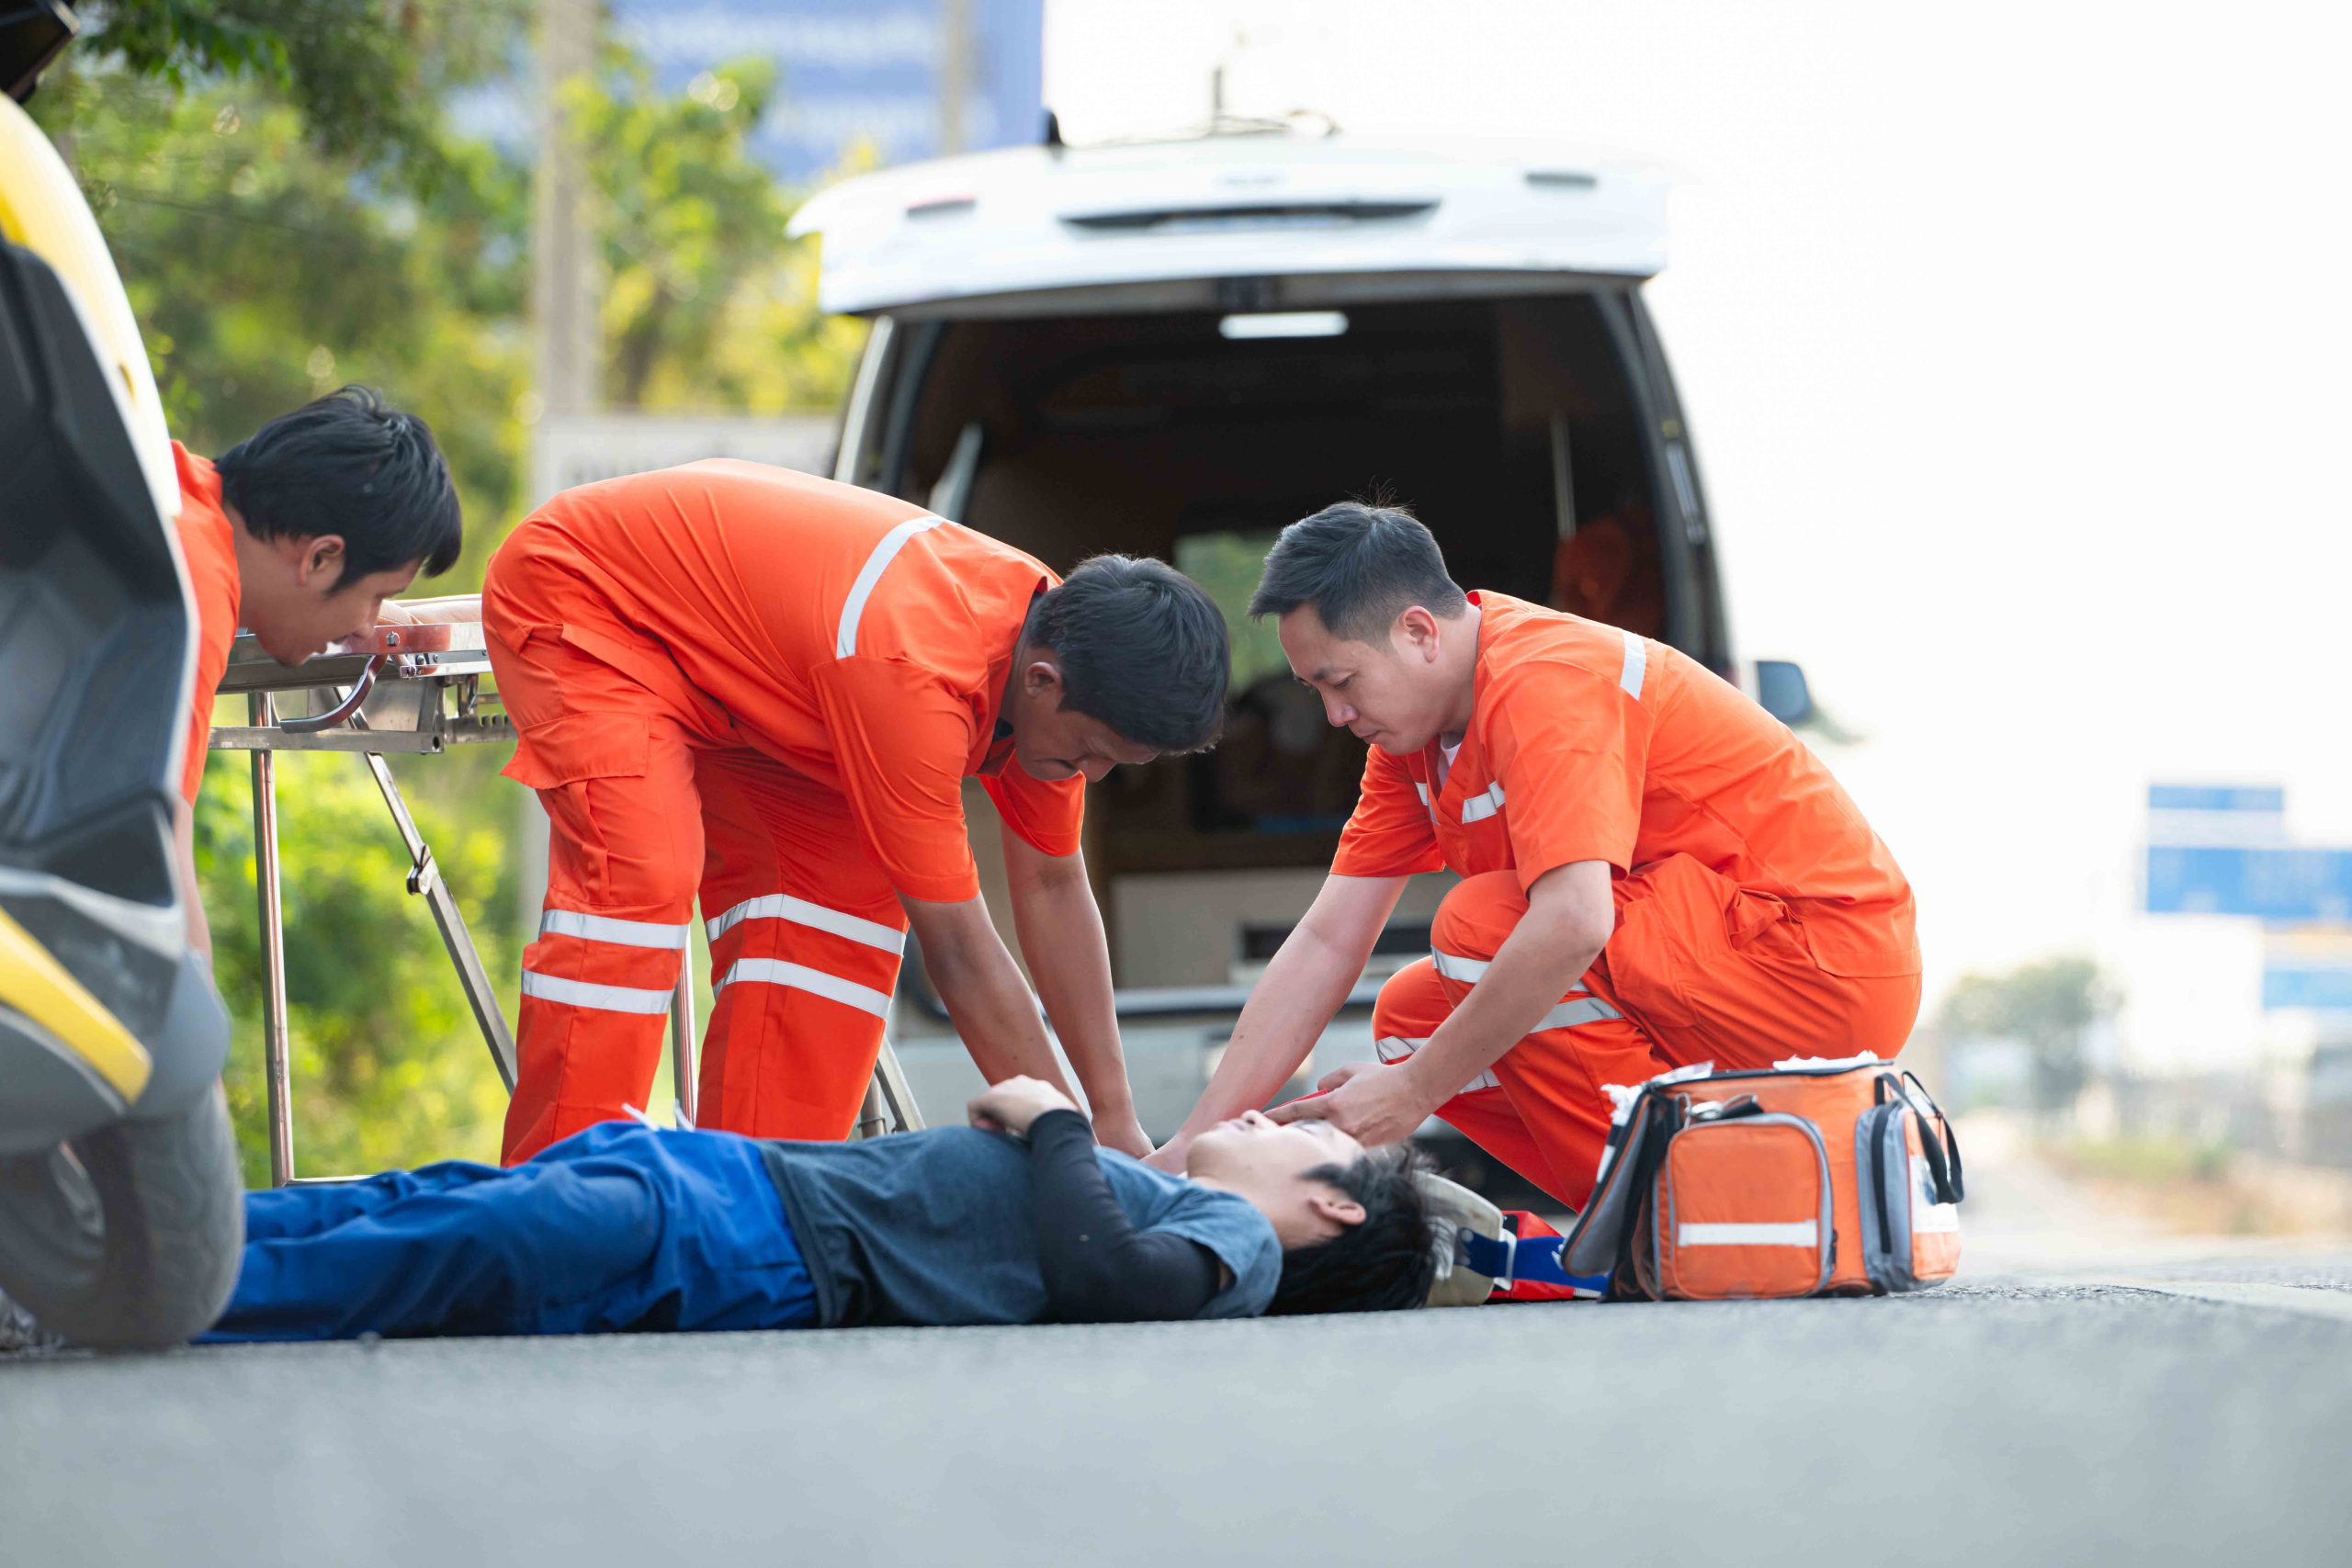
(348,464)
(1385,1261)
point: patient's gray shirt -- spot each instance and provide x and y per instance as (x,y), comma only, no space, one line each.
(939,1227)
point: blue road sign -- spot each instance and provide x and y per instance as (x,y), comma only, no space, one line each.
(2267,884)
(2266,798)
(2301,986)
(852,71)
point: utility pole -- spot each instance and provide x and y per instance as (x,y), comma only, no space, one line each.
(955,71)
(563,306)
(563,283)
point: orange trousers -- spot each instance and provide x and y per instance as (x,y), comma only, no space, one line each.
(1699,969)
(653,802)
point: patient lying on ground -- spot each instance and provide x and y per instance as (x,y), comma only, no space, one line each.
(1017,1218)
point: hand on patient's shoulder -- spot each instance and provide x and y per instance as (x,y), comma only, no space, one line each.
(1010,1106)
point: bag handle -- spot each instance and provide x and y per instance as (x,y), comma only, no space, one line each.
(1669,1114)
(1942,1162)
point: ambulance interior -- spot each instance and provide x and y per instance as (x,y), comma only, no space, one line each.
(1508,424)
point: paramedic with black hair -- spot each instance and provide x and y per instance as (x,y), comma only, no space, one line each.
(1654,872)
(765,691)
(298,534)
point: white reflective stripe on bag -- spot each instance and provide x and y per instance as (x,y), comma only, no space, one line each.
(1795,1232)
(817,917)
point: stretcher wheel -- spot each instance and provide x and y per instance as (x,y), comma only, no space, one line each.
(126,1237)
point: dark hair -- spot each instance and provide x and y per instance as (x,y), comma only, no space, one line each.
(1385,1261)
(1142,648)
(349,465)
(1360,565)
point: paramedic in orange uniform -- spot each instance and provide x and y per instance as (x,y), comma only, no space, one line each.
(766,689)
(298,534)
(1653,871)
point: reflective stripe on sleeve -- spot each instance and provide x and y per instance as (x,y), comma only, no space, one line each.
(801,978)
(853,607)
(1479,808)
(801,913)
(588,994)
(605,928)
(1797,1233)
(1637,659)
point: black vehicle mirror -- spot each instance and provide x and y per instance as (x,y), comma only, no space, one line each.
(1782,691)
(30,36)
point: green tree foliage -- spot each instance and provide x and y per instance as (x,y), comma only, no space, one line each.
(2048,1006)
(386,1064)
(704,305)
(291,211)
(362,75)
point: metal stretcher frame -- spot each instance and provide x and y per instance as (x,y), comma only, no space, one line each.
(416,690)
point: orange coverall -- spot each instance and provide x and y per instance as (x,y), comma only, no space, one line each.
(210,548)
(765,688)
(1758,915)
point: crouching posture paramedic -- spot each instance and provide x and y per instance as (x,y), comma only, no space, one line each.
(1654,872)
(1019,1218)
(770,688)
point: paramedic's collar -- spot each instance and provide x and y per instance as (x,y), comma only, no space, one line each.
(989,759)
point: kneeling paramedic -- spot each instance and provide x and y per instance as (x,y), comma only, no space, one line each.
(1654,872)
(1019,1218)
(767,689)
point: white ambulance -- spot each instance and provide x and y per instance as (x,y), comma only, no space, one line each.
(1174,349)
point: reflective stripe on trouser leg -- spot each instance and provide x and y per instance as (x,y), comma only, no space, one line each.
(596,991)
(803,993)
(806,933)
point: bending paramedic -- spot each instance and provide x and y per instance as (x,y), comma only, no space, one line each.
(298,534)
(1653,871)
(765,690)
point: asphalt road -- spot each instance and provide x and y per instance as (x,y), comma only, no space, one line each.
(1995,1421)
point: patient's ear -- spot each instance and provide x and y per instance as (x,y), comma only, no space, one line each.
(1330,1204)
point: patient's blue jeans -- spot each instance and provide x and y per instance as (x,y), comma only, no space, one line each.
(618,1227)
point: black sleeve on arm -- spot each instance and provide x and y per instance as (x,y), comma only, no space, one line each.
(1098,1268)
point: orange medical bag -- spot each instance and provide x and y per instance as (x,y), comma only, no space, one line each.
(1814,1178)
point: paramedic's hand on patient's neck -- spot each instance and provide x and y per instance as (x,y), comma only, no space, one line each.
(1010,1106)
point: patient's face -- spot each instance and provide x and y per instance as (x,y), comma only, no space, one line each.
(1254,1147)
(1267,1163)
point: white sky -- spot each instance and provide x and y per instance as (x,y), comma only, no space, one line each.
(2015,340)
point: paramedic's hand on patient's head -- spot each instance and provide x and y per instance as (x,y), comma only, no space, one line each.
(1373,1102)
(1010,1106)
